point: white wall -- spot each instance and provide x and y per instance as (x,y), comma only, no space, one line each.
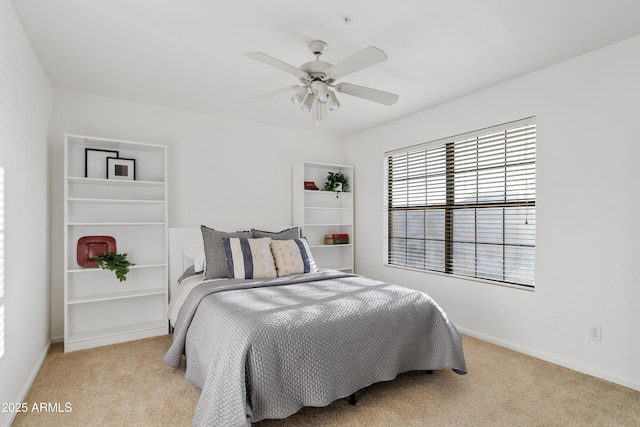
(25,112)
(222,173)
(587,231)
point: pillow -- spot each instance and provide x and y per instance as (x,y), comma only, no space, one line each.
(249,258)
(191,271)
(195,252)
(215,258)
(289,233)
(293,257)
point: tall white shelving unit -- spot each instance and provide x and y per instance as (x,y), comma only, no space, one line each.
(99,309)
(319,213)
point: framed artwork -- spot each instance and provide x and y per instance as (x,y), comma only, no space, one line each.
(95,165)
(120,168)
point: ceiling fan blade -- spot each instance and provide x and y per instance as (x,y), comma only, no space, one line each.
(374,95)
(269,60)
(363,59)
(269,94)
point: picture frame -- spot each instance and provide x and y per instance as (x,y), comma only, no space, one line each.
(121,168)
(95,165)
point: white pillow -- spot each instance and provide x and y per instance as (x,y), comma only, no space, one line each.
(293,257)
(249,258)
(195,252)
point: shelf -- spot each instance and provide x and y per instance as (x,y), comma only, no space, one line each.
(327,208)
(340,194)
(322,165)
(116,296)
(321,212)
(121,182)
(75,224)
(115,201)
(98,309)
(103,333)
(329,225)
(133,267)
(346,268)
(83,141)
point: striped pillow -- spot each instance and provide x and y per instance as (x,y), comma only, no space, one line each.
(293,257)
(249,258)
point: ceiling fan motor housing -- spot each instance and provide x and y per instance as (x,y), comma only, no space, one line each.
(316,71)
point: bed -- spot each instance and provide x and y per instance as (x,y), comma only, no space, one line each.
(264,347)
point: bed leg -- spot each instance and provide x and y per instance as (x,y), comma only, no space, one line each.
(352,399)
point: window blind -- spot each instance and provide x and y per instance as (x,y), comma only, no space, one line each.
(465,205)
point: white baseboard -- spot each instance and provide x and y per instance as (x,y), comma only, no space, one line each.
(56,340)
(27,385)
(552,359)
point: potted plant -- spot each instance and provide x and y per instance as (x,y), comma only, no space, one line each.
(117,263)
(336,181)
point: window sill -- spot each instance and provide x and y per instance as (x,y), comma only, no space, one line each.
(460,277)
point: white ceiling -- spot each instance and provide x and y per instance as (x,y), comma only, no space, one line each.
(187,54)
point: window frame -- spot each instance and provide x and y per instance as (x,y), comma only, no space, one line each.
(449,144)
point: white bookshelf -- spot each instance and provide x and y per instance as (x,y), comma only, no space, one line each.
(98,308)
(319,212)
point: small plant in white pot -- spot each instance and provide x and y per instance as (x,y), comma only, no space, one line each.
(336,181)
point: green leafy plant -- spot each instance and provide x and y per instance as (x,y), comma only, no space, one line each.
(114,262)
(335,178)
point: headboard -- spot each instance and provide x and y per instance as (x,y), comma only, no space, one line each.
(181,237)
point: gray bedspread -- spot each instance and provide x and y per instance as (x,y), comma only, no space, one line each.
(265,348)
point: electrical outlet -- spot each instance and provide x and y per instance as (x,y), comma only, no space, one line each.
(595,332)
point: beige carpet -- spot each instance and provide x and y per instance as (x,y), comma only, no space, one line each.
(128,385)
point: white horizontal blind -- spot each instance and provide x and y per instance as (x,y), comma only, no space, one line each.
(466,205)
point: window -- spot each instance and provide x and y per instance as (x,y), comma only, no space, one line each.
(466,205)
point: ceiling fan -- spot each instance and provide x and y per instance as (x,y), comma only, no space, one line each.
(317,79)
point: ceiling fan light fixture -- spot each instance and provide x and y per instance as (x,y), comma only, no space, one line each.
(299,95)
(333,103)
(318,113)
(308,102)
(322,92)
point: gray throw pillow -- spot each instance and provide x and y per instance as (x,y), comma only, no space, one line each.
(288,234)
(191,271)
(216,264)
